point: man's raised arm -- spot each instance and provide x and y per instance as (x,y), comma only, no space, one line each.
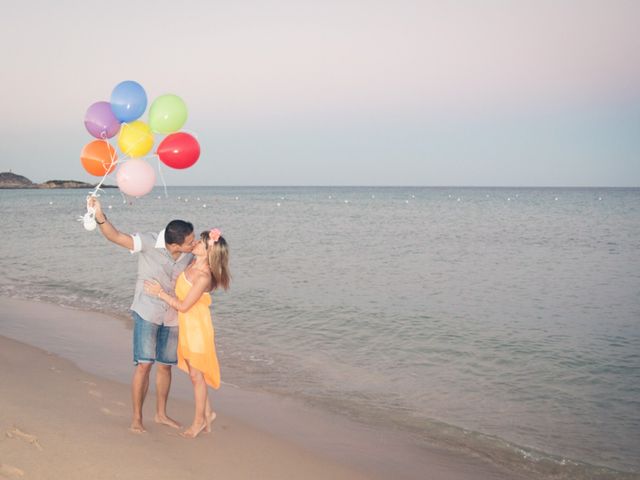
(110,232)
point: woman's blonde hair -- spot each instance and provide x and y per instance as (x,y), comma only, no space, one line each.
(218,257)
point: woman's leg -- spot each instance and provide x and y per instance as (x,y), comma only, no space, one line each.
(201,401)
(210,415)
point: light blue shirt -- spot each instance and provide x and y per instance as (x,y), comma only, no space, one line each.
(156,263)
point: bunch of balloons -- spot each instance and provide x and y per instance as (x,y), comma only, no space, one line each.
(121,117)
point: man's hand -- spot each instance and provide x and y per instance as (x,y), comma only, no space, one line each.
(107,229)
(152,287)
(94,203)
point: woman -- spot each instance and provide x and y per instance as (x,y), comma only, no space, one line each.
(196,349)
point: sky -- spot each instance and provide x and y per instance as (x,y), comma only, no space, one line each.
(349,92)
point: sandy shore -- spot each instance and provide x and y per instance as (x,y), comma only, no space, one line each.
(57,421)
(65,412)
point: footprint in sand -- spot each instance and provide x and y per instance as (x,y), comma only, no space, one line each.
(9,471)
(54,369)
(87,382)
(118,403)
(95,393)
(106,411)
(17,433)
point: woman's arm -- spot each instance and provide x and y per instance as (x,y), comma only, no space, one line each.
(200,285)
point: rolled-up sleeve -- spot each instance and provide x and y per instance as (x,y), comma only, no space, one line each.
(137,243)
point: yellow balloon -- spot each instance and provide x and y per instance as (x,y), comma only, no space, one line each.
(135,139)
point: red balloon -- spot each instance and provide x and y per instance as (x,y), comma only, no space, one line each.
(179,150)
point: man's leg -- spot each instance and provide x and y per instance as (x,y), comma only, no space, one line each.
(139,389)
(163,385)
(144,354)
(166,354)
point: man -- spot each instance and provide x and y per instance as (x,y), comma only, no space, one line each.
(161,256)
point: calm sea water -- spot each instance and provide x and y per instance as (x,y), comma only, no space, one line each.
(505,321)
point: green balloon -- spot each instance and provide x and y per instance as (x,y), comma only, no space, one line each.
(167,114)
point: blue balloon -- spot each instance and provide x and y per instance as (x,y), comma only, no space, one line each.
(128,101)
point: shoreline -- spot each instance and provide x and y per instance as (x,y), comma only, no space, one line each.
(61,422)
(100,349)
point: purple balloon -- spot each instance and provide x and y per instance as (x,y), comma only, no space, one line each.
(100,120)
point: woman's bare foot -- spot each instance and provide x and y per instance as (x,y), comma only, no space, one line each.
(136,427)
(165,420)
(194,431)
(211,416)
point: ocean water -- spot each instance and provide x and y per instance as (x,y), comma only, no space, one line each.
(501,321)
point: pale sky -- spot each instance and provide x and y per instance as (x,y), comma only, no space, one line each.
(540,92)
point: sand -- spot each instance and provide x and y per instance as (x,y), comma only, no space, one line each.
(66,415)
(57,421)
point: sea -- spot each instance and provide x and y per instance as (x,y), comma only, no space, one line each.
(504,321)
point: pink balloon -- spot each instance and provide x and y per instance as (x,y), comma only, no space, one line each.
(135,177)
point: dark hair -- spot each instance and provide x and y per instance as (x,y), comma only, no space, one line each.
(176,231)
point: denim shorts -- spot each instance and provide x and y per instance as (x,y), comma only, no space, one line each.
(154,343)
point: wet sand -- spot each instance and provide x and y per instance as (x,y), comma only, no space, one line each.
(60,422)
(65,412)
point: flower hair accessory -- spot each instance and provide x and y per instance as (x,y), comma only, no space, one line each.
(214,235)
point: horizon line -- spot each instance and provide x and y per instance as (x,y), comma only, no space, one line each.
(402,186)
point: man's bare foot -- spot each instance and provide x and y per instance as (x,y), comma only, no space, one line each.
(211,416)
(165,420)
(193,432)
(136,427)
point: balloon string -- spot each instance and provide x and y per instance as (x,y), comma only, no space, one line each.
(112,163)
(164,184)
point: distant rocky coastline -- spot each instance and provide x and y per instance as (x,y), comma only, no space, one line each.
(12,180)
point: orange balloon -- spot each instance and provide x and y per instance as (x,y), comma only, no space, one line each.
(98,158)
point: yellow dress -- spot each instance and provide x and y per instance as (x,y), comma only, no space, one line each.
(196,338)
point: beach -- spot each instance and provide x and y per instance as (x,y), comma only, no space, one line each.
(59,420)
(431,219)
(478,348)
